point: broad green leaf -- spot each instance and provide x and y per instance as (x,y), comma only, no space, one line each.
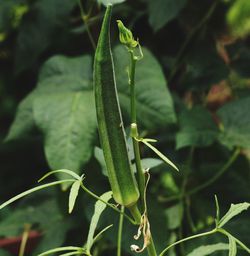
(163,11)
(208,249)
(23,123)
(99,208)
(234,210)
(155,107)
(235,120)
(106,2)
(232,246)
(61,249)
(197,128)
(67,115)
(27,192)
(238,18)
(163,157)
(37,31)
(73,194)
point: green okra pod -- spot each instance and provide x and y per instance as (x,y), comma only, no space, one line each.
(110,125)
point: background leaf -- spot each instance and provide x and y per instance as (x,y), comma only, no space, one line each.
(163,11)
(236,123)
(197,128)
(205,250)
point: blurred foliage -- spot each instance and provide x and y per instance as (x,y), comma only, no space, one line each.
(193,95)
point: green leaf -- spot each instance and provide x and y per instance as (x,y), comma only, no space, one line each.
(99,208)
(4,253)
(197,128)
(238,18)
(234,210)
(174,216)
(73,194)
(163,157)
(208,249)
(163,11)
(155,107)
(70,173)
(37,31)
(235,120)
(61,249)
(27,192)
(67,115)
(232,246)
(23,123)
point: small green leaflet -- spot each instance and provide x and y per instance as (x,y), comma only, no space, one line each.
(163,157)
(73,194)
(234,210)
(208,249)
(232,246)
(99,208)
(63,249)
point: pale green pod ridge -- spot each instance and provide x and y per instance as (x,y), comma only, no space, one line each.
(110,125)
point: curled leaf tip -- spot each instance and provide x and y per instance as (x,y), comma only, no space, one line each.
(125,35)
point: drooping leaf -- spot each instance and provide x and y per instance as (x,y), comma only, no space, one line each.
(157,152)
(197,128)
(99,208)
(232,246)
(163,11)
(73,194)
(235,119)
(205,250)
(234,210)
(154,102)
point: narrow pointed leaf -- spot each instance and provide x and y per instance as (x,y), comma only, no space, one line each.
(73,174)
(163,157)
(206,250)
(234,210)
(61,249)
(25,193)
(99,208)
(73,194)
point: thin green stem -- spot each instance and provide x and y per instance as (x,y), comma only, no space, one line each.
(133,61)
(119,239)
(135,213)
(24,239)
(107,203)
(218,174)
(187,239)
(134,130)
(85,21)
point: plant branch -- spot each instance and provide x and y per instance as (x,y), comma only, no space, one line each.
(85,19)
(218,174)
(107,203)
(119,239)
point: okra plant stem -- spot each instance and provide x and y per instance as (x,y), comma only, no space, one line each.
(120,228)
(134,133)
(134,130)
